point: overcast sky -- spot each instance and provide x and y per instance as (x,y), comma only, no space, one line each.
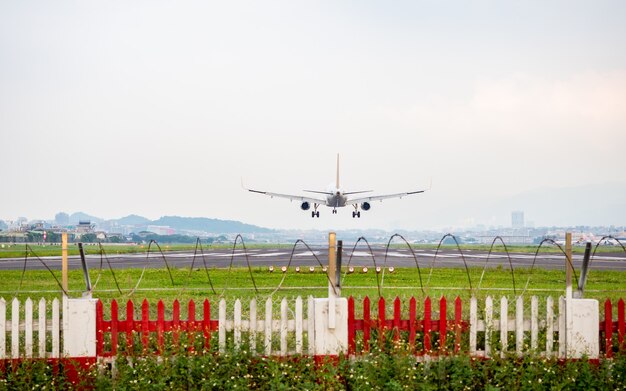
(160,107)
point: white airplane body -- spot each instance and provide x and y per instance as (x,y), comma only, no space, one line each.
(335,198)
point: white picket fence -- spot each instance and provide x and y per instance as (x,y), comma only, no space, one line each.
(22,332)
(521,325)
(36,336)
(286,326)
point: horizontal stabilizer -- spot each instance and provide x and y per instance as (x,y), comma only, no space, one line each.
(358,192)
(319,192)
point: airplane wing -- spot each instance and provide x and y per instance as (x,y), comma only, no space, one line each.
(290,197)
(382,197)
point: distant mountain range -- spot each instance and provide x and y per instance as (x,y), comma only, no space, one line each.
(199,224)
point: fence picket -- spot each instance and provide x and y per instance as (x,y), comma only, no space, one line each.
(56,329)
(41,337)
(473,324)
(3,328)
(427,325)
(237,324)
(458,326)
(160,326)
(366,324)
(608,328)
(268,327)
(519,325)
(534,322)
(253,325)
(222,326)
(206,324)
(382,324)
(561,327)
(191,325)
(488,325)
(311,325)
(114,327)
(549,325)
(28,325)
(504,325)
(351,327)
(176,321)
(15,328)
(299,325)
(443,322)
(621,325)
(283,327)
(145,326)
(130,325)
(396,319)
(412,323)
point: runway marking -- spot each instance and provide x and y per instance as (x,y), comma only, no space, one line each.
(399,255)
(307,254)
(268,254)
(228,254)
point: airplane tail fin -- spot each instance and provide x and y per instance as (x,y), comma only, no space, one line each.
(337,184)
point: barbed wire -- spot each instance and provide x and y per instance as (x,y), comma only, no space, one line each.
(379,280)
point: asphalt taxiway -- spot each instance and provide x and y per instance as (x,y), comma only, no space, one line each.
(315,256)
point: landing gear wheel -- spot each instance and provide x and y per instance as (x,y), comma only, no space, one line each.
(353,214)
(313,214)
(317,214)
(358,214)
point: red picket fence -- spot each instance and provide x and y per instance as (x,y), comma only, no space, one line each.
(158,327)
(608,327)
(426,326)
(425,335)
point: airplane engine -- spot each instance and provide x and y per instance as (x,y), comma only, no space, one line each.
(305,206)
(366,206)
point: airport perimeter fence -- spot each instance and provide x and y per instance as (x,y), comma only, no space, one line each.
(426,330)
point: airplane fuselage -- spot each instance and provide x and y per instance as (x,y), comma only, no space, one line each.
(336,199)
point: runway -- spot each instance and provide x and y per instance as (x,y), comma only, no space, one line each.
(305,258)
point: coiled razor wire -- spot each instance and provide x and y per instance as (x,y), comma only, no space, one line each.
(600,241)
(195,251)
(361,238)
(506,250)
(104,255)
(419,273)
(379,281)
(19,288)
(293,250)
(146,265)
(569,261)
(432,265)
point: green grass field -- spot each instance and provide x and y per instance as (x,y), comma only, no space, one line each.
(156,284)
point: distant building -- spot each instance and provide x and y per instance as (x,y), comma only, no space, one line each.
(84,227)
(517,219)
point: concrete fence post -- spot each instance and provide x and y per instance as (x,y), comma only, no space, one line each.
(331,339)
(79,327)
(582,328)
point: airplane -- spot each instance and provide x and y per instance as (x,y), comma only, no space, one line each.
(335,198)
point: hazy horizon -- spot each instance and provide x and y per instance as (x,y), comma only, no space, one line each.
(159,108)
